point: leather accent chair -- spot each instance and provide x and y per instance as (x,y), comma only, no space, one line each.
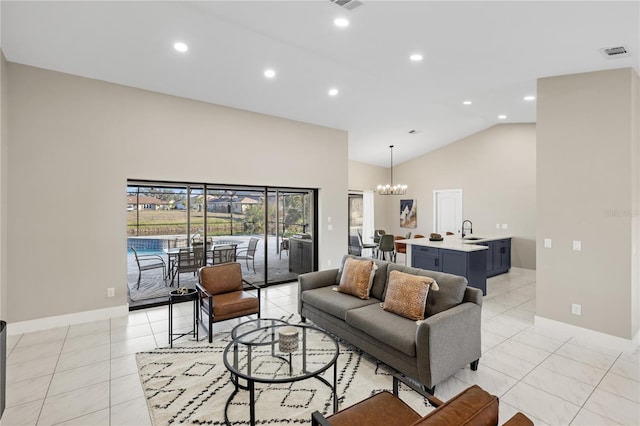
(222,295)
(472,407)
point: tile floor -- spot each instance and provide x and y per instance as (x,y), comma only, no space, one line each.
(86,374)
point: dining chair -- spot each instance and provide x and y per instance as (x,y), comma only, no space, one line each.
(400,247)
(377,234)
(354,245)
(387,245)
(249,253)
(147,262)
(372,246)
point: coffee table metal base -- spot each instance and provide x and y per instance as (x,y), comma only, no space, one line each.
(250,382)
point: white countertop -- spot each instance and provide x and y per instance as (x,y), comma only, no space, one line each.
(454,242)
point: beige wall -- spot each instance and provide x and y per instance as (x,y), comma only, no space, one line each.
(73,142)
(364,177)
(496,169)
(587,190)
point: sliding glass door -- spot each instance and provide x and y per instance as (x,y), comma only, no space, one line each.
(271,230)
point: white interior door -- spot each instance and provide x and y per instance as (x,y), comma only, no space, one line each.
(447,211)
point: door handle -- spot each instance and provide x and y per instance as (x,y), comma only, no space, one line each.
(437,262)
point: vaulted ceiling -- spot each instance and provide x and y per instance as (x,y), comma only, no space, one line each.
(488,53)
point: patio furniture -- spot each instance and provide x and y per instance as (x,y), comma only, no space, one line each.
(222,295)
(147,262)
(223,254)
(188,260)
(249,253)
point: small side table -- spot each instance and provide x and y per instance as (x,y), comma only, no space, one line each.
(176,297)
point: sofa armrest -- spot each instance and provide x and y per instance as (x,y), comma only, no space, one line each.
(316,279)
(445,342)
(473,295)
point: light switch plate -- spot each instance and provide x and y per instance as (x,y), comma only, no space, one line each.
(505,226)
(577,245)
(547,243)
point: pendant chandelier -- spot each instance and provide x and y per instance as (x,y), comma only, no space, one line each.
(390,188)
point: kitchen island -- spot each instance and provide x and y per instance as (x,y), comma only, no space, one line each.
(474,258)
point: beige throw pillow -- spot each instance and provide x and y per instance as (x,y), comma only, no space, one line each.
(407,294)
(357,277)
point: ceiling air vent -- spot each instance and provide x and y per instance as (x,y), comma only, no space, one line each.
(347,4)
(615,52)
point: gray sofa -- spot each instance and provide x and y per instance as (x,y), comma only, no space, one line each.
(428,351)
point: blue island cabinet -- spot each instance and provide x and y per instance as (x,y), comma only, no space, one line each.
(469,264)
(498,256)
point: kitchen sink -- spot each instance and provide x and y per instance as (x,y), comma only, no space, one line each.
(472,238)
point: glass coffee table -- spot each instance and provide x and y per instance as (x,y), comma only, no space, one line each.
(273,351)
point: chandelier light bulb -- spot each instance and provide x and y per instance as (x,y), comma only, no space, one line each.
(390,188)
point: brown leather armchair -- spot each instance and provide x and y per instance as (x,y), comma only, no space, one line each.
(473,407)
(222,294)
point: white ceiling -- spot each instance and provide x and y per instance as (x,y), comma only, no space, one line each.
(488,52)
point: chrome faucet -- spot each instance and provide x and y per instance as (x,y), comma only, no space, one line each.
(470,227)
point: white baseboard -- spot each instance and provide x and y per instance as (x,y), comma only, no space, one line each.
(552,327)
(39,324)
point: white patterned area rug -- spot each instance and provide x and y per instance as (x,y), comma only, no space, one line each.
(190,385)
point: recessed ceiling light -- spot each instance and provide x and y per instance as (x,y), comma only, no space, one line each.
(529,98)
(341,22)
(180,47)
(502,116)
(466,102)
(269,73)
(333,92)
(416,57)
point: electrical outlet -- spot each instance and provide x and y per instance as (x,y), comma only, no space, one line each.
(576,309)
(111,292)
(547,243)
(577,245)
(505,226)
(329,227)
(329,262)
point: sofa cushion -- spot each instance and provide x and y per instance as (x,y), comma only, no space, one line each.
(379,279)
(333,302)
(407,294)
(390,329)
(471,407)
(450,294)
(357,277)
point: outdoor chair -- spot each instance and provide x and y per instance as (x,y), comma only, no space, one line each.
(249,253)
(147,262)
(224,254)
(387,245)
(189,260)
(222,295)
